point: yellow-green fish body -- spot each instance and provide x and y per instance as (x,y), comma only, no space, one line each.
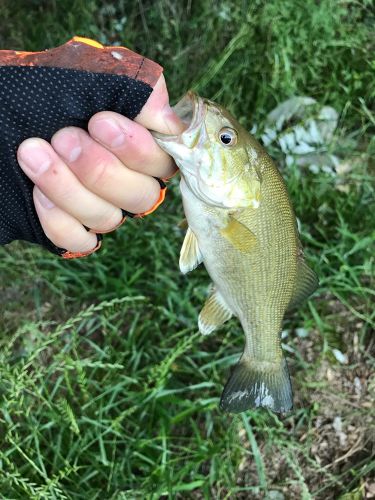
(243,228)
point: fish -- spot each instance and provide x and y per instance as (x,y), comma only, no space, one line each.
(242,227)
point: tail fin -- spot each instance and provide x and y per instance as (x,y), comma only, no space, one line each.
(254,384)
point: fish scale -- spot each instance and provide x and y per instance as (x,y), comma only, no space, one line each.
(243,228)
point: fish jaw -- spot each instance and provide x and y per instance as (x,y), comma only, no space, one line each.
(188,148)
(183,147)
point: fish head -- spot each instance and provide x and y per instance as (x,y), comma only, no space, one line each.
(217,157)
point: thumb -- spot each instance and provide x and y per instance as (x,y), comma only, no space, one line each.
(157,113)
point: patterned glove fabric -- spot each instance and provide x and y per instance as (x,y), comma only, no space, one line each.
(43,92)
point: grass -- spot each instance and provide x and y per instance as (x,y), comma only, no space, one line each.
(107,390)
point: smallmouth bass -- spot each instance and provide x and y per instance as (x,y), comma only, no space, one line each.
(242,227)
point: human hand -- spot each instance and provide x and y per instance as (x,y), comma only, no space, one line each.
(88,178)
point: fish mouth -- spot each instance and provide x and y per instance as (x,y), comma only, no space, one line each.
(191,110)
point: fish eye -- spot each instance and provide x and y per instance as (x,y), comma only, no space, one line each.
(228,136)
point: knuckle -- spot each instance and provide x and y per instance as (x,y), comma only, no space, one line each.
(146,197)
(101,115)
(89,241)
(107,221)
(59,232)
(70,235)
(145,157)
(62,134)
(97,175)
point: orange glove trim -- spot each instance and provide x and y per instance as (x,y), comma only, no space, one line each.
(161,198)
(74,255)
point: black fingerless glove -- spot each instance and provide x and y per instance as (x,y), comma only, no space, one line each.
(43,92)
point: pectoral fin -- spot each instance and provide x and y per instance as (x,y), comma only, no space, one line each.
(190,255)
(215,312)
(239,235)
(307,283)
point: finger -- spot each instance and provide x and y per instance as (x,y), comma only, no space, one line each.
(132,144)
(104,174)
(45,168)
(61,228)
(157,114)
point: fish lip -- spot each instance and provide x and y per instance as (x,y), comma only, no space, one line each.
(190,105)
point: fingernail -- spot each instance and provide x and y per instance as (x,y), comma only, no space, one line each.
(43,200)
(34,158)
(108,132)
(172,121)
(67,144)
(74,154)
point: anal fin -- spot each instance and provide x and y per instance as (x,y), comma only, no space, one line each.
(307,282)
(215,312)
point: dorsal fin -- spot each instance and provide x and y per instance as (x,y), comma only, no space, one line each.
(190,255)
(306,283)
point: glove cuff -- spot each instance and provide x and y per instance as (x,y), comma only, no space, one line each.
(85,54)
